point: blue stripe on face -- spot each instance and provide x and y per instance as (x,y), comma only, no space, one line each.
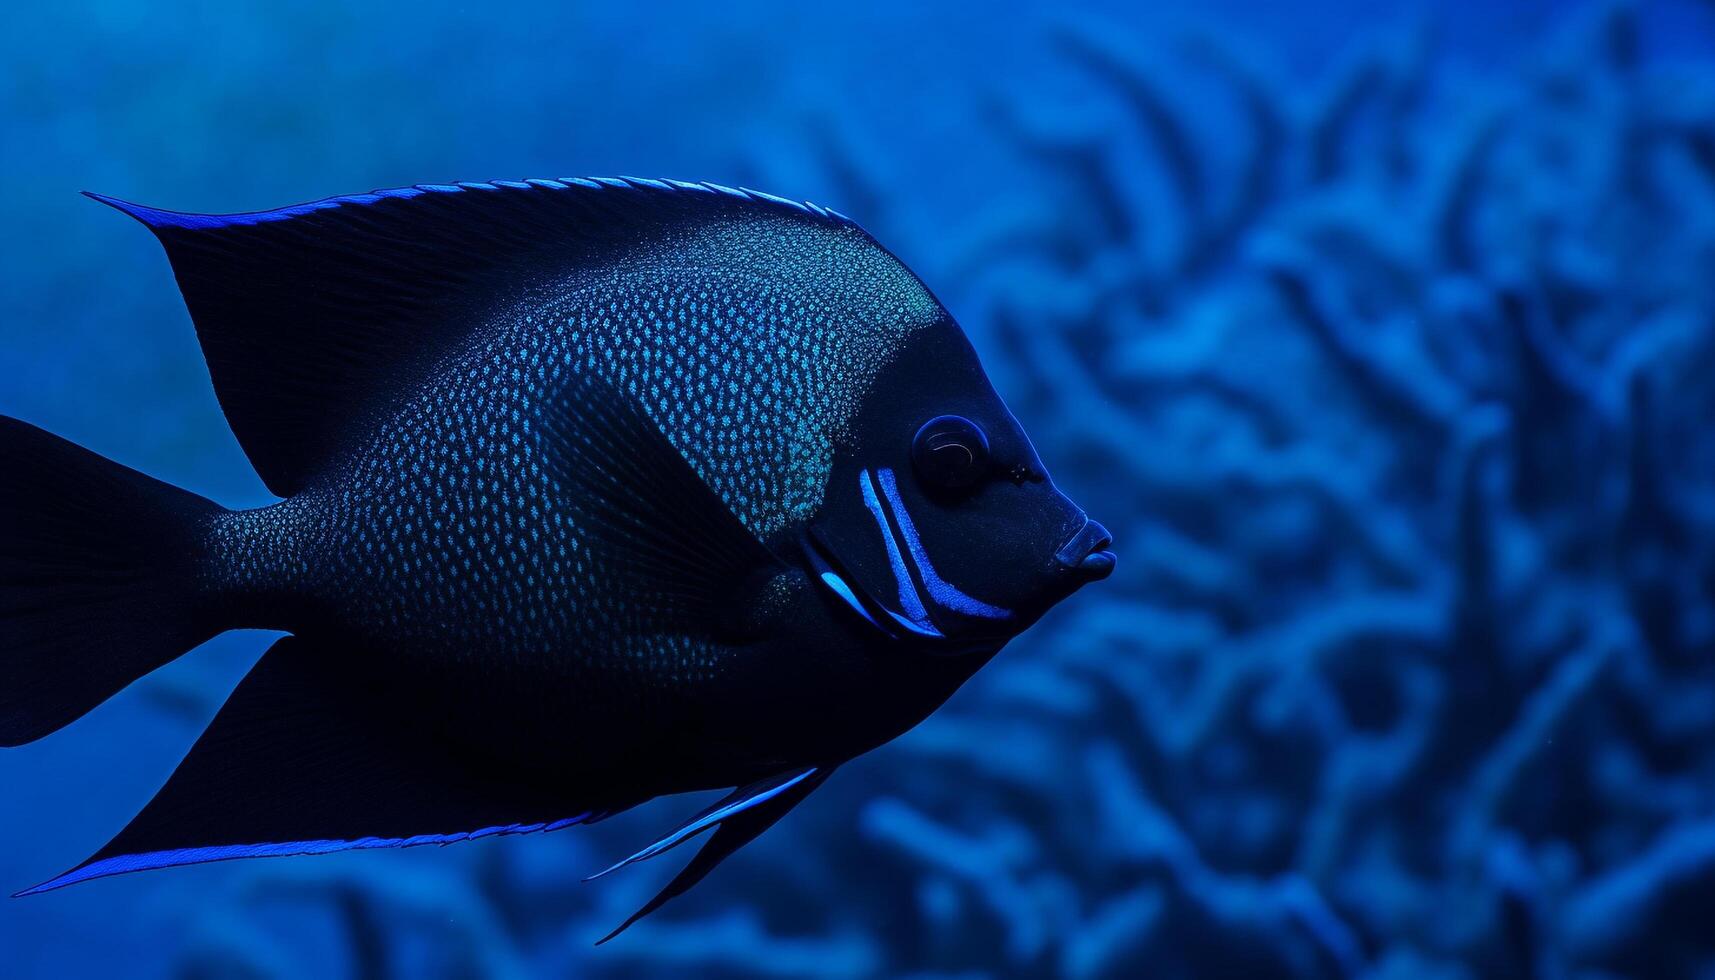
(908,600)
(941,591)
(846,595)
(918,628)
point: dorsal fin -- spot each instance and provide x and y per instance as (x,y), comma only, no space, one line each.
(312,316)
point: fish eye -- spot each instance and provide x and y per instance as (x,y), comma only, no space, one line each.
(950,452)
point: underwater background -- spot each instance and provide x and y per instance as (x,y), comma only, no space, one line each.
(1381,334)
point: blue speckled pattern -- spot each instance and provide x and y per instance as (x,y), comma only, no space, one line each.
(552,452)
(749,340)
(535,445)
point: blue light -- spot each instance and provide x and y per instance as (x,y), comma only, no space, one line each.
(908,599)
(844,591)
(707,820)
(151,860)
(939,589)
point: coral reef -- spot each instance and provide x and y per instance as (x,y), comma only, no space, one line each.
(1393,395)
(1393,383)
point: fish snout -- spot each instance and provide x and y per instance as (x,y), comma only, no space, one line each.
(1086,553)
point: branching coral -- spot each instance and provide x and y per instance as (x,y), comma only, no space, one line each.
(1396,392)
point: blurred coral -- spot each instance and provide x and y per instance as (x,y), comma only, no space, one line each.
(1395,390)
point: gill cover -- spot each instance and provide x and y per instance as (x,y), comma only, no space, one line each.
(939,522)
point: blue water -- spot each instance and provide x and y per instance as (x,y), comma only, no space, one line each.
(1381,335)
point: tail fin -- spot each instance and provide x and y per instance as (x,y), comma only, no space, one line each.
(97,579)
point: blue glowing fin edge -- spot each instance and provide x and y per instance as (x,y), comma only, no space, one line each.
(311,755)
(736,802)
(739,819)
(318,313)
(127,863)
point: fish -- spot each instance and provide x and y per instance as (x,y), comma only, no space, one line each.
(591,491)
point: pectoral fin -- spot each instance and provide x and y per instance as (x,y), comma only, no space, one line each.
(673,546)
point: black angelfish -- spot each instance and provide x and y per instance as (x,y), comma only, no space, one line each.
(594,491)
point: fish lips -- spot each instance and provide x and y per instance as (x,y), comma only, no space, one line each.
(1087,556)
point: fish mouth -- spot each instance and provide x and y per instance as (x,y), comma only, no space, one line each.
(1088,553)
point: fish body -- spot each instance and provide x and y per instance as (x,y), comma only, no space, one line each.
(593,491)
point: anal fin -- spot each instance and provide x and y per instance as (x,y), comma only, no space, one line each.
(309,756)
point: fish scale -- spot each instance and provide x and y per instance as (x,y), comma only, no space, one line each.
(445,515)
